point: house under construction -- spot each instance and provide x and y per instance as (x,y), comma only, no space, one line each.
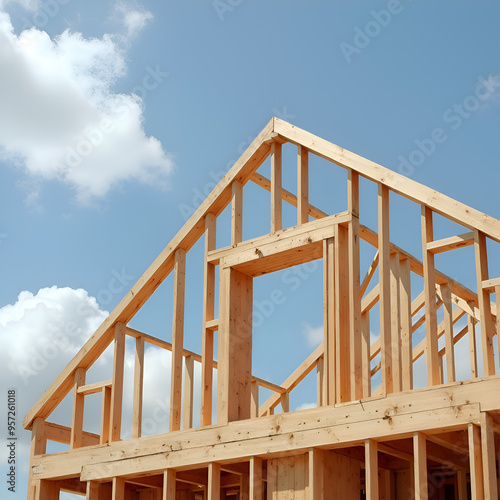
(373,434)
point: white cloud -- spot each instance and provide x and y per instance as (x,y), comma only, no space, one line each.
(61,119)
(306,406)
(134,17)
(313,334)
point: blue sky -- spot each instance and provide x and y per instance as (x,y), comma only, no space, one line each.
(172,93)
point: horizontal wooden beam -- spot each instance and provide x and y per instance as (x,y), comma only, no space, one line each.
(62,434)
(452,243)
(93,388)
(491,284)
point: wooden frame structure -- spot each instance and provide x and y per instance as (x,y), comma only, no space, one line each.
(373,435)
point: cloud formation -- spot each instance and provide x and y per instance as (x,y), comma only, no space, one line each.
(61,119)
(134,17)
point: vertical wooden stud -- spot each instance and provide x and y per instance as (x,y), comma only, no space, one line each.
(320,379)
(105,414)
(78,407)
(92,492)
(365,353)
(316,474)
(302,185)
(342,329)
(276,188)
(476,466)
(329,384)
(236,212)
(254,407)
(169,485)
(489,459)
(432,356)
(115,421)
(354,287)
(207,352)
(462,484)
(213,481)
(406,325)
(420,466)
(384,266)
(256,484)
(371,470)
(177,340)
(471,327)
(285,402)
(395,323)
(187,415)
(138,388)
(484,303)
(448,333)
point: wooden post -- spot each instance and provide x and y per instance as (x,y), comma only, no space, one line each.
(476,466)
(484,303)
(78,406)
(92,492)
(47,490)
(406,325)
(118,488)
(395,323)
(213,481)
(115,421)
(168,485)
(384,248)
(254,407)
(285,404)
(105,414)
(276,189)
(244,486)
(462,484)
(489,459)
(302,185)
(420,466)
(354,287)
(365,352)
(256,485)
(38,447)
(330,365)
(316,474)
(342,327)
(236,212)
(207,352)
(471,326)
(177,340)
(432,356)
(138,387)
(235,346)
(320,380)
(187,416)
(371,470)
(448,333)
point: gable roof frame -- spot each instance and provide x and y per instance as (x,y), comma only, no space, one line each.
(216,202)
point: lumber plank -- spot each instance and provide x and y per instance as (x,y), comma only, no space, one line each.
(236,213)
(187,413)
(256,477)
(406,324)
(420,466)
(448,333)
(431,353)
(214,490)
(371,468)
(385,289)
(316,474)
(177,340)
(354,286)
(276,186)
(168,492)
(475,460)
(105,414)
(138,387)
(452,243)
(329,341)
(302,186)
(484,303)
(115,420)
(78,408)
(93,388)
(489,459)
